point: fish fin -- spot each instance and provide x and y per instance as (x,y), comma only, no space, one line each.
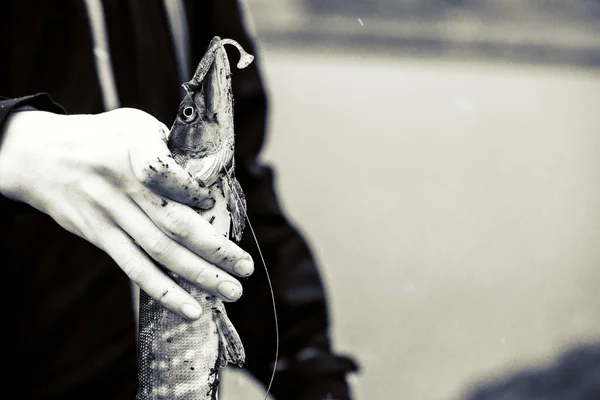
(231,349)
(236,201)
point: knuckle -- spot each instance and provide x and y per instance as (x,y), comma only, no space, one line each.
(95,232)
(141,173)
(167,296)
(135,191)
(178,223)
(133,269)
(131,114)
(108,173)
(222,254)
(159,245)
(151,172)
(102,198)
(199,275)
(93,188)
(90,222)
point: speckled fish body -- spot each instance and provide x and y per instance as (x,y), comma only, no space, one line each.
(178,358)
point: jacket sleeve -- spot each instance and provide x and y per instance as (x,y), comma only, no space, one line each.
(40,101)
(307,368)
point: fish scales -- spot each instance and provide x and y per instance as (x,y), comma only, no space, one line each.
(178,358)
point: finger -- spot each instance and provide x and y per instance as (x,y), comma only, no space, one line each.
(172,255)
(142,270)
(187,227)
(154,166)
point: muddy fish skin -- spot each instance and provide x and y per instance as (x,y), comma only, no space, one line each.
(178,358)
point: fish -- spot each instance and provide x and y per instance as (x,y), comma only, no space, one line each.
(178,358)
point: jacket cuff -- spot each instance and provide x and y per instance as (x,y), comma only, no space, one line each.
(40,101)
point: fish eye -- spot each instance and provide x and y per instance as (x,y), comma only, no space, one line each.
(188,113)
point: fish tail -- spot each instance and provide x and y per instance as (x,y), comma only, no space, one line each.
(231,350)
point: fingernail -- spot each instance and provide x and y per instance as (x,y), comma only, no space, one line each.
(191,311)
(244,267)
(230,290)
(207,203)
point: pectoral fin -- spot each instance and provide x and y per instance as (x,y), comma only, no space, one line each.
(236,202)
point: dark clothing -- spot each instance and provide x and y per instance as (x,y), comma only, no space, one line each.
(68,304)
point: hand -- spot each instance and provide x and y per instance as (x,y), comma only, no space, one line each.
(110,179)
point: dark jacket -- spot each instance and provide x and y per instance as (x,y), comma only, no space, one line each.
(68,305)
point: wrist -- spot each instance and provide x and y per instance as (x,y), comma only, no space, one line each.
(18,152)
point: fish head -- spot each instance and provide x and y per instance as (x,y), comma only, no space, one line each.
(201,138)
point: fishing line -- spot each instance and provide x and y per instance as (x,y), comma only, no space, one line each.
(270,288)
(239,199)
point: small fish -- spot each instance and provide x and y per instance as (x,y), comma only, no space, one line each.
(180,359)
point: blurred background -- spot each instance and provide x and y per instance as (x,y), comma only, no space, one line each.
(443,159)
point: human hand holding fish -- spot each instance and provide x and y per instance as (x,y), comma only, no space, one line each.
(111,179)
